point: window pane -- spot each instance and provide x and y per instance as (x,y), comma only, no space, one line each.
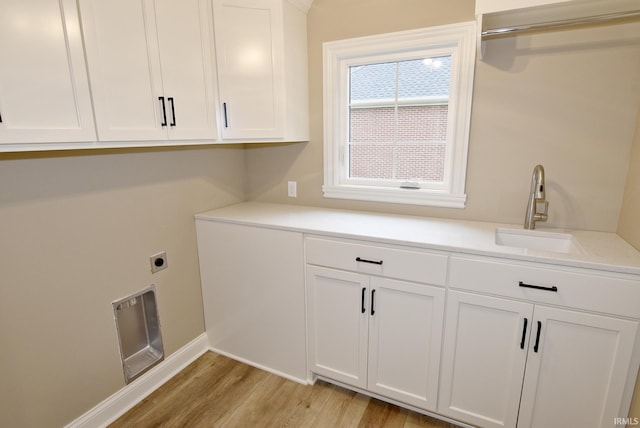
(373,82)
(369,125)
(374,161)
(404,105)
(422,123)
(423,79)
(420,161)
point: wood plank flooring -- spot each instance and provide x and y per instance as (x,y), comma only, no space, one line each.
(216,391)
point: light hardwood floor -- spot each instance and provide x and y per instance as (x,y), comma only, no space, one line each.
(215,391)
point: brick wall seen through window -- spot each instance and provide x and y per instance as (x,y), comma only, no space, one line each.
(418,153)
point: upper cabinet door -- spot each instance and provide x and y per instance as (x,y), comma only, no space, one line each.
(150,67)
(124,69)
(185,41)
(249,46)
(44,93)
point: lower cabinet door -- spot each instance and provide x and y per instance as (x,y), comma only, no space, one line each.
(576,374)
(483,359)
(405,332)
(337,318)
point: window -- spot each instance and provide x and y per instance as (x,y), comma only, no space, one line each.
(397,112)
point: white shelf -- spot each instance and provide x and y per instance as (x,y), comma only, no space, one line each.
(499,17)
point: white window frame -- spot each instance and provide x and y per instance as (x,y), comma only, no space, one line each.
(457,40)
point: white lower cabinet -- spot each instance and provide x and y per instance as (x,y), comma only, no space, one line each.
(338,324)
(405,332)
(483,359)
(374,333)
(253,295)
(487,341)
(570,366)
(577,374)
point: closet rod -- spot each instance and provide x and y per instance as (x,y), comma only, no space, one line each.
(494,32)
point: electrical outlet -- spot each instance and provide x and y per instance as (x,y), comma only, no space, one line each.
(158,261)
(292,189)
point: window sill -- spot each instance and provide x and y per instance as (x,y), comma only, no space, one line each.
(432,198)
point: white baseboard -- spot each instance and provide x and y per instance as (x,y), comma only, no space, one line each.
(117,404)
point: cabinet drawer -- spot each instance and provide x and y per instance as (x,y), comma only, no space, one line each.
(410,265)
(577,288)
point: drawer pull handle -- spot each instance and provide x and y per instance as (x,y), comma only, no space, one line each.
(535,347)
(373,262)
(373,311)
(363,309)
(524,333)
(539,287)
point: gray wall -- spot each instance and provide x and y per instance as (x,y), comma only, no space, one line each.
(565,99)
(76,231)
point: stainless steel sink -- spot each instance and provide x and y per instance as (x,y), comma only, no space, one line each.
(537,240)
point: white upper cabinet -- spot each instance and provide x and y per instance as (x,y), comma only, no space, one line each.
(146,73)
(151,68)
(261,57)
(44,93)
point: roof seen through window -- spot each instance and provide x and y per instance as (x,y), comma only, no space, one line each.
(417,79)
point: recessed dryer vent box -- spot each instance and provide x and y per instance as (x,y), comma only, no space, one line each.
(139,334)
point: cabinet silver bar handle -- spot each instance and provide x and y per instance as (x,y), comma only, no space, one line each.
(226,120)
(538,287)
(374,262)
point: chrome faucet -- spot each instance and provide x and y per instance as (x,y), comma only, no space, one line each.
(537,207)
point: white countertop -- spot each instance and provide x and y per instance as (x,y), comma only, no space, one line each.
(602,251)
